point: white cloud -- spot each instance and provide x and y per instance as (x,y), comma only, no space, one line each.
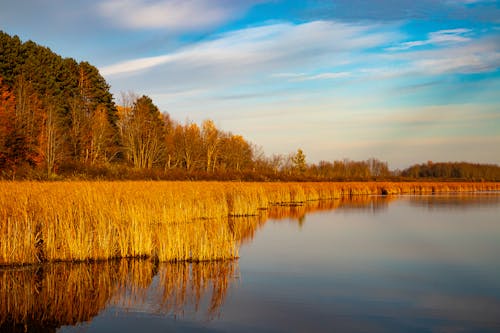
(136,65)
(171,14)
(323,76)
(298,77)
(449,35)
(441,37)
(288,75)
(478,56)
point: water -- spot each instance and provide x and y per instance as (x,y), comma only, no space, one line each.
(377,264)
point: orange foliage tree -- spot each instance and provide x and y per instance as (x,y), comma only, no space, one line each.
(7,113)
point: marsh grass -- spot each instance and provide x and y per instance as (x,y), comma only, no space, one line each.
(169,221)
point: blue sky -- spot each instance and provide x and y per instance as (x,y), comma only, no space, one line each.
(403,81)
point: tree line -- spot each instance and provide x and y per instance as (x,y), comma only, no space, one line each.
(58,119)
(453,170)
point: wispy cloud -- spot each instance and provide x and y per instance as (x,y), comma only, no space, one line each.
(136,65)
(325,76)
(275,47)
(441,37)
(298,77)
(478,56)
(171,14)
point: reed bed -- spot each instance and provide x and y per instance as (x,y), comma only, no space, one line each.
(170,221)
(46,297)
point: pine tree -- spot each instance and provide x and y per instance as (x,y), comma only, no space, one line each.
(299,162)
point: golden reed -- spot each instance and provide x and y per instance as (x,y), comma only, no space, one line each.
(170,221)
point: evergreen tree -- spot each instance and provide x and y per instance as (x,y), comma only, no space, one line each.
(299,162)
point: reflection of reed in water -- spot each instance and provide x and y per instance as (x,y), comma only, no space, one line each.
(46,297)
(366,203)
(207,280)
(175,288)
(245,228)
(41,299)
(456,201)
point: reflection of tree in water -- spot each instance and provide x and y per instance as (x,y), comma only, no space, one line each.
(456,201)
(44,298)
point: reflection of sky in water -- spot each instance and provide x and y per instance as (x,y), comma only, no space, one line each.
(415,264)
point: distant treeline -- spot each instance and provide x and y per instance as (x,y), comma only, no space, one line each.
(59,120)
(453,170)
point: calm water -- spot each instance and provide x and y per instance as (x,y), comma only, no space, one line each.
(406,264)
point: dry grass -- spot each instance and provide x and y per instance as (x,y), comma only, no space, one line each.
(171,221)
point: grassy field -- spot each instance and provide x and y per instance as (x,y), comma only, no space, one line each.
(170,221)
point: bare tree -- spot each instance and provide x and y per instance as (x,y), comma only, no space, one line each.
(102,137)
(51,140)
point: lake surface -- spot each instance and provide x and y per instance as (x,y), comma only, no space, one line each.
(371,264)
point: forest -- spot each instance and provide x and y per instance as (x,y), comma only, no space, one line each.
(59,120)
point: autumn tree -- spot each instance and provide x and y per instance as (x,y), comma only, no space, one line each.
(51,140)
(102,146)
(7,114)
(276,162)
(172,129)
(21,115)
(236,153)
(28,115)
(78,131)
(378,168)
(143,133)
(211,140)
(92,117)
(188,145)
(21,120)
(260,161)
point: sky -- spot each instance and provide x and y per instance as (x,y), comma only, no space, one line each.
(402,81)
